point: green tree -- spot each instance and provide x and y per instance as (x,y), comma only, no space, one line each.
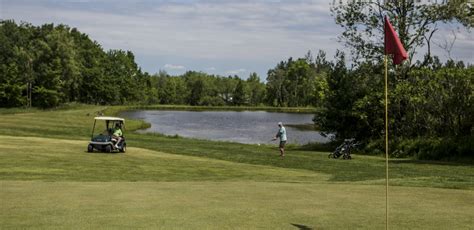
(172,89)
(362,23)
(240,98)
(63,48)
(15,63)
(94,87)
(126,81)
(277,94)
(256,90)
(292,83)
(226,87)
(55,64)
(436,103)
(196,85)
(321,86)
(300,82)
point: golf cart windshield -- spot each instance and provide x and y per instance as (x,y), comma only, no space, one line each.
(106,128)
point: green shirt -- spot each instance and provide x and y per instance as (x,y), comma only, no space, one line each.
(117,132)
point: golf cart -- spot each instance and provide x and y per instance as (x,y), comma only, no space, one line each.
(106,141)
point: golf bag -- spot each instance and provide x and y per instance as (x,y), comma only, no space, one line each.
(344,149)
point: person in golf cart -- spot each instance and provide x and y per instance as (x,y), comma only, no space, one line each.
(117,134)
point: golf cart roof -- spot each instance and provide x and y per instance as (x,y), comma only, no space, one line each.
(110,119)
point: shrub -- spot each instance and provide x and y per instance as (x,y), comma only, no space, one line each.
(211,101)
(46,98)
(437,148)
(425,148)
(375,147)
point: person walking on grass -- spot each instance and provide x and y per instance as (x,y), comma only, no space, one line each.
(282,135)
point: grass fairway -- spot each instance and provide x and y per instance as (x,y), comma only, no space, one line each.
(48,180)
(228,205)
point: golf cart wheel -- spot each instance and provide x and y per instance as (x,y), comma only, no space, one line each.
(108,149)
(330,155)
(123,149)
(90,148)
(349,157)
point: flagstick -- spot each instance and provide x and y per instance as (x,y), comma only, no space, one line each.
(386,143)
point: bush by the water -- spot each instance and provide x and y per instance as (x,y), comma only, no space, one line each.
(437,148)
(426,148)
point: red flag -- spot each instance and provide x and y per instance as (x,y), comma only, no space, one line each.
(393,45)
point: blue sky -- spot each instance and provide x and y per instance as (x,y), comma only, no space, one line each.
(218,37)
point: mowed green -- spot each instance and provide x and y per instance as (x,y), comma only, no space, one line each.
(48,180)
(228,205)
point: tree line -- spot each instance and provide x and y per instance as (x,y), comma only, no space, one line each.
(45,66)
(198,88)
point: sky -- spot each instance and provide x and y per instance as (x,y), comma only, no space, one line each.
(226,37)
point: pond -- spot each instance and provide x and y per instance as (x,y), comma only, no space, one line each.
(249,127)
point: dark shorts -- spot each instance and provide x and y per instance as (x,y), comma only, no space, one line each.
(282,144)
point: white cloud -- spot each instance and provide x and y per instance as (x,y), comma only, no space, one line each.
(198,30)
(174,67)
(237,71)
(226,34)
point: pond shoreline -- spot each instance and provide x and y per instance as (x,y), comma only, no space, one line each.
(247,127)
(303,110)
(304,127)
